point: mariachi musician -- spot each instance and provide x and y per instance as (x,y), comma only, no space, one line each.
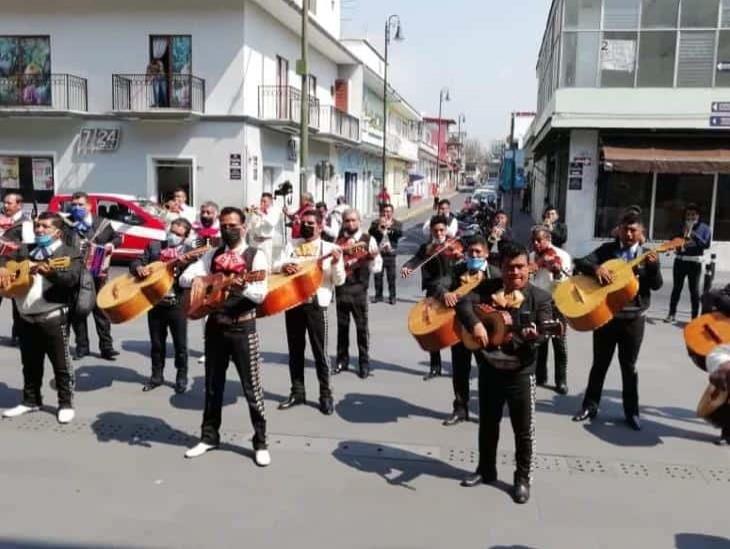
(230,333)
(387,231)
(551,264)
(264,226)
(311,317)
(507,373)
(436,259)
(168,314)
(96,239)
(499,232)
(626,329)
(475,267)
(352,296)
(718,366)
(206,231)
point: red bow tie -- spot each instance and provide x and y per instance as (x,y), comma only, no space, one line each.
(230,263)
(5,222)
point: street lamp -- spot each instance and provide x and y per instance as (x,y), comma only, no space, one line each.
(460,119)
(392,25)
(443,96)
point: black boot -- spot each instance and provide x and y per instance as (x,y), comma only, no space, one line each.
(154,381)
(293,400)
(364,371)
(435,369)
(341,366)
(181,382)
(521,490)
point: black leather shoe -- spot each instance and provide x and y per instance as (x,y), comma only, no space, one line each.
(181,385)
(340,367)
(434,372)
(376,299)
(561,389)
(151,385)
(80,353)
(326,406)
(521,492)
(392,300)
(472,480)
(109,354)
(585,413)
(634,422)
(364,372)
(454,419)
(291,402)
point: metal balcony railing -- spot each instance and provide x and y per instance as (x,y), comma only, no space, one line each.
(60,92)
(284,103)
(339,123)
(147,93)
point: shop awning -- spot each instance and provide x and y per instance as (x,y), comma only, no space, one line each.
(667,159)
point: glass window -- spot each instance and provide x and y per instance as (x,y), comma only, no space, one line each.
(725,14)
(578,67)
(696,59)
(618,59)
(620,14)
(722,210)
(582,14)
(659,14)
(699,13)
(722,77)
(617,191)
(656,59)
(673,193)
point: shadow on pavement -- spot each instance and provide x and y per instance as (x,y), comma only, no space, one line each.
(194,397)
(375,365)
(400,470)
(142,347)
(9,397)
(137,430)
(364,408)
(700,541)
(93,378)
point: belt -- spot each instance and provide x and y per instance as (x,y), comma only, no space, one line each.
(692,258)
(169,300)
(44,317)
(228,320)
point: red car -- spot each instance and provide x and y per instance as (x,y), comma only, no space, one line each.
(138,220)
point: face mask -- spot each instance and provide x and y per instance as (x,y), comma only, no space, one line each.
(174,240)
(475,263)
(43,240)
(78,213)
(231,237)
(207,221)
(307,231)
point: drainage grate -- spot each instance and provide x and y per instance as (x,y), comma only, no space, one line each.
(715,474)
(633,470)
(587,465)
(551,464)
(681,472)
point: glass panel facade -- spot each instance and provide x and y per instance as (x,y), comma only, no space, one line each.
(582,14)
(722,209)
(658,14)
(656,59)
(673,193)
(696,59)
(700,14)
(579,63)
(618,59)
(620,14)
(722,76)
(617,191)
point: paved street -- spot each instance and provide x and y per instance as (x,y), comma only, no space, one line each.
(381,473)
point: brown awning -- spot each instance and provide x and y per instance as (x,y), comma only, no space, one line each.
(672,159)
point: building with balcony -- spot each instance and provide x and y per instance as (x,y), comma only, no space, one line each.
(632,101)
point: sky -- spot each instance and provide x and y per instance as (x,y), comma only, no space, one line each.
(484,51)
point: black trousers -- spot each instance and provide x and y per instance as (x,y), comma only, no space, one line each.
(627,335)
(38,340)
(308,319)
(353,303)
(560,350)
(517,390)
(161,319)
(239,344)
(103,326)
(693,272)
(389,271)
(461,370)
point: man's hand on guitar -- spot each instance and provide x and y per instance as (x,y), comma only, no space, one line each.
(6,279)
(652,258)
(480,335)
(604,276)
(405,272)
(290,269)
(450,299)
(530,333)
(720,378)
(143,271)
(43,269)
(336,255)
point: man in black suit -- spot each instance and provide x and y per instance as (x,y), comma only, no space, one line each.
(89,232)
(43,314)
(473,269)
(386,231)
(558,229)
(168,314)
(507,373)
(626,330)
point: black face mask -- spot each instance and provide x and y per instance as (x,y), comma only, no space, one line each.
(207,221)
(307,231)
(231,237)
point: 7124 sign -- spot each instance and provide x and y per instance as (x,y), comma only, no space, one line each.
(98,140)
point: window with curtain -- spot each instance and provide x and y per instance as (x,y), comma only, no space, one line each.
(578,66)
(582,14)
(722,74)
(657,14)
(616,192)
(620,14)
(699,13)
(695,65)
(618,59)
(656,59)
(721,230)
(673,193)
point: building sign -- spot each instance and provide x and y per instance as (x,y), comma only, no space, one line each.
(42,174)
(720,106)
(234,167)
(93,140)
(9,172)
(720,121)
(618,55)
(575,175)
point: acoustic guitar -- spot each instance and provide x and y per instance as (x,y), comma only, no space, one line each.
(433,324)
(501,328)
(127,296)
(22,272)
(209,293)
(588,305)
(714,406)
(704,333)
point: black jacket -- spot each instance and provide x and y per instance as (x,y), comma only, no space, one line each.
(458,271)
(559,234)
(152,254)
(699,240)
(100,237)
(437,273)
(650,275)
(15,232)
(395,233)
(537,306)
(64,282)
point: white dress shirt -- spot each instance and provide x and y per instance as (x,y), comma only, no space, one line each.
(331,226)
(334,275)
(451,230)
(544,278)
(255,291)
(263,226)
(33,303)
(188,212)
(719,356)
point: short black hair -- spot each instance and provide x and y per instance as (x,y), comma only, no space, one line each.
(313,213)
(478,240)
(56,219)
(228,210)
(321,205)
(511,250)
(501,212)
(444,201)
(184,223)
(549,208)
(439,220)
(631,217)
(692,207)
(386,205)
(267,195)
(79,194)
(180,190)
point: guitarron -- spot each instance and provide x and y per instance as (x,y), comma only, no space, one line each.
(704,333)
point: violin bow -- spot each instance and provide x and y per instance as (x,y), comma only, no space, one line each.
(445,247)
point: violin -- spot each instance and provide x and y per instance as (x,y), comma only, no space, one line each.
(354,253)
(453,248)
(550,260)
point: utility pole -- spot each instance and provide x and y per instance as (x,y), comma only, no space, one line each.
(443,96)
(393,20)
(303,70)
(513,177)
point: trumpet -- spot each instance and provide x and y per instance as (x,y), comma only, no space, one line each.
(253,209)
(495,235)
